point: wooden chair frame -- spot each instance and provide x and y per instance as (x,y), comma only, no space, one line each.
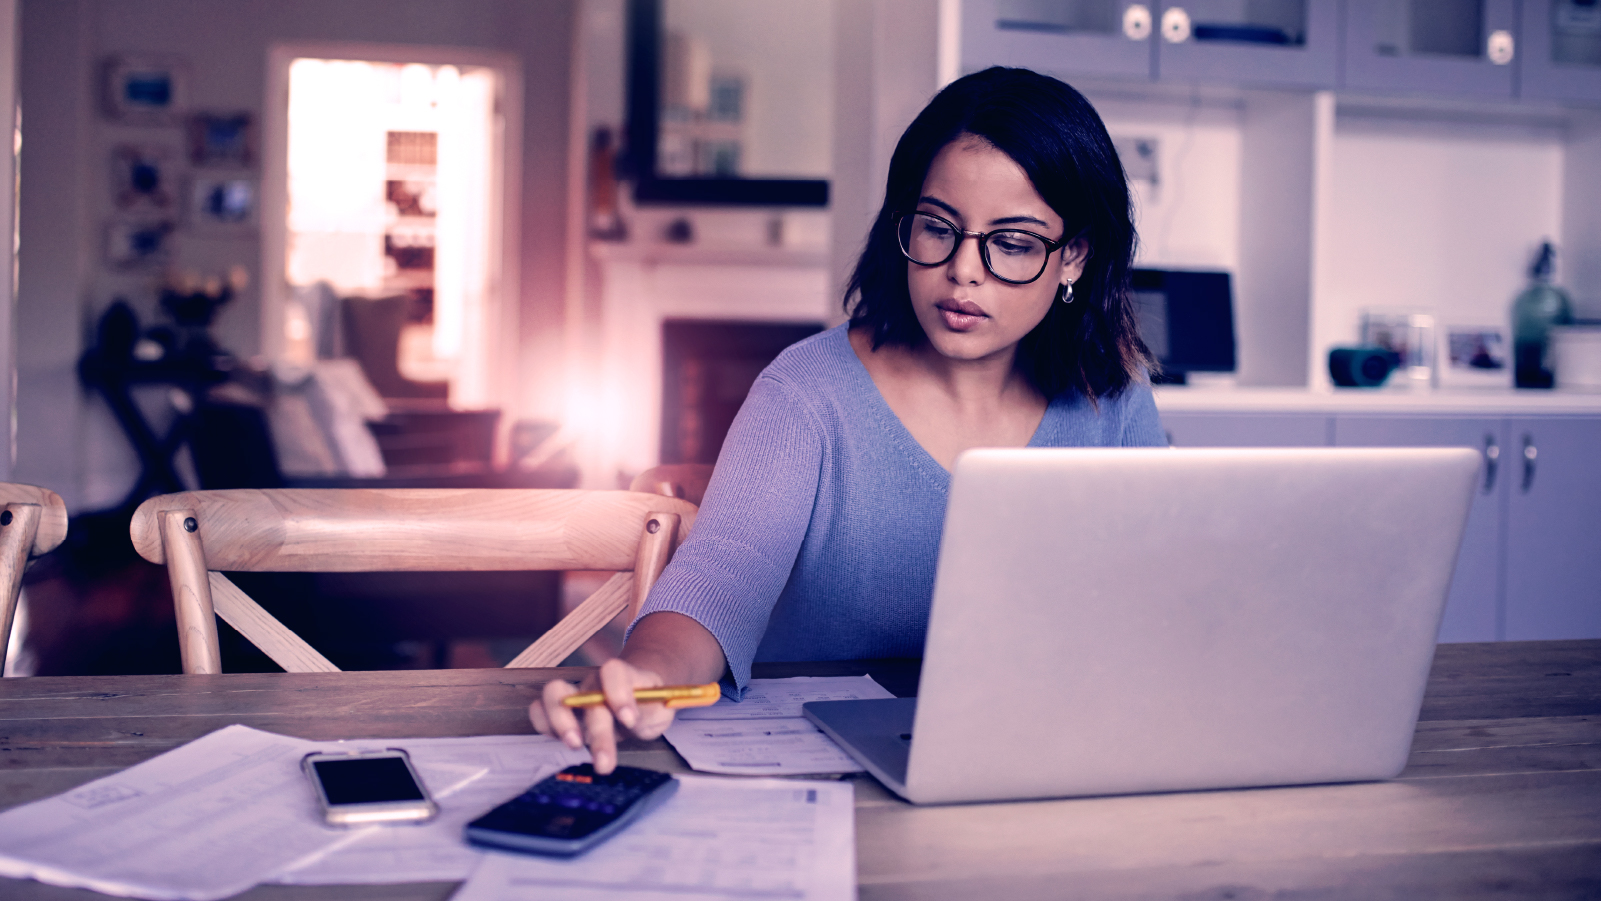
(33,521)
(681,480)
(199,535)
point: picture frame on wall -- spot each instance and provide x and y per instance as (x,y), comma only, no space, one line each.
(138,243)
(142,177)
(1475,356)
(222,139)
(145,90)
(222,202)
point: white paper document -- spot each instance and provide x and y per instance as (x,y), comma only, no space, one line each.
(219,815)
(714,840)
(435,851)
(766,734)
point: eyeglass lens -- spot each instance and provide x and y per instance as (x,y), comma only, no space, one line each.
(1013,256)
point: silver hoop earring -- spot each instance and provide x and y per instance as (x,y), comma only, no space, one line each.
(1065,293)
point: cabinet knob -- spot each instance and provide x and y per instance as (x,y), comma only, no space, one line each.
(1137,22)
(1499,48)
(1492,462)
(1176,25)
(1530,454)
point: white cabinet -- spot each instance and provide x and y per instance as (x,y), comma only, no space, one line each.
(1474,611)
(1553,528)
(1530,561)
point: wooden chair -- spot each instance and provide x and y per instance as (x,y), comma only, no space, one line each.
(200,534)
(33,521)
(682,480)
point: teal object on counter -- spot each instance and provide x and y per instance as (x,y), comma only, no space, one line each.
(1535,311)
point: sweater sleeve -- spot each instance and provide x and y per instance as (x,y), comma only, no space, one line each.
(1142,427)
(728,574)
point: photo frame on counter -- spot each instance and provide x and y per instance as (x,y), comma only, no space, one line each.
(1475,356)
(222,139)
(145,90)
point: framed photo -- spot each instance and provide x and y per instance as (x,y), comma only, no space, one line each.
(221,139)
(222,201)
(142,177)
(1475,356)
(146,90)
(138,244)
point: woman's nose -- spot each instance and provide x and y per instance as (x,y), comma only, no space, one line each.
(967,266)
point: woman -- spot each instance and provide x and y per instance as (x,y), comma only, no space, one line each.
(991,309)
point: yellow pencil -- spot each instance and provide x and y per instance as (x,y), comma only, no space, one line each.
(674,696)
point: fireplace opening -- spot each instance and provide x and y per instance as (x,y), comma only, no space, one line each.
(708,367)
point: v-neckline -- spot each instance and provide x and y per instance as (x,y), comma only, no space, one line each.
(887,419)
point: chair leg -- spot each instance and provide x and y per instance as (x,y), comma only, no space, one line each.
(19,524)
(191,593)
(655,549)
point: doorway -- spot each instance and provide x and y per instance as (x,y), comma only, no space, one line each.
(384,191)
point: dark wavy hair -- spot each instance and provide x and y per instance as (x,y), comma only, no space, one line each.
(1091,345)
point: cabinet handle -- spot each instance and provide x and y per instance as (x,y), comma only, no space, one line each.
(1137,22)
(1492,462)
(1530,452)
(1175,25)
(1500,47)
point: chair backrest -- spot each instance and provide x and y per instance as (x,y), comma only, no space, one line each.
(682,480)
(200,534)
(33,521)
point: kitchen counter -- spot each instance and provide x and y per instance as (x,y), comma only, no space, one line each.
(1443,401)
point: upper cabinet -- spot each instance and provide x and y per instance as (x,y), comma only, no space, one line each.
(1451,48)
(1278,43)
(1062,37)
(1561,56)
(1477,49)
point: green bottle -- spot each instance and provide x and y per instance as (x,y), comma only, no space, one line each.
(1539,307)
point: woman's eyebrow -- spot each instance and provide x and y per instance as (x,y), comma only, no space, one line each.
(1005,220)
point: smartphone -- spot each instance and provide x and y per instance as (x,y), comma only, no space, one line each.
(572,811)
(368,787)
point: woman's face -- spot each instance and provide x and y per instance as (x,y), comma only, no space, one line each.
(968,313)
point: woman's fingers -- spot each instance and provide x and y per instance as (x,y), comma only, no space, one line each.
(550,716)
(617,682)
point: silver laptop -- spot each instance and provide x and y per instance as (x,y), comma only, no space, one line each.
(1143,620)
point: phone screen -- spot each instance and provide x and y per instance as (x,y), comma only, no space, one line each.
(367,780)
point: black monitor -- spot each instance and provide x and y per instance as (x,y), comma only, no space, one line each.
(1186,318)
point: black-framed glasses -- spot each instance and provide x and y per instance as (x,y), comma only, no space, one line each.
(1012,255)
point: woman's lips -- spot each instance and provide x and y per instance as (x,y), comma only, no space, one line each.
(960,316)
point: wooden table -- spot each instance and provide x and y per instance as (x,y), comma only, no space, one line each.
(1502,797)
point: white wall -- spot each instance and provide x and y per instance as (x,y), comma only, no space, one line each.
(66,441)
(8,206)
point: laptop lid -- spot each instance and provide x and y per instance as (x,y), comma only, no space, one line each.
(1131,620)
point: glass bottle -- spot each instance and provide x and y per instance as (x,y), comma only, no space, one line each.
(1540,306)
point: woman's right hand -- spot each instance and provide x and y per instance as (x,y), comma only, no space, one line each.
(616,679)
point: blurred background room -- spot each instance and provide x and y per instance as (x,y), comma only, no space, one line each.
(551,243)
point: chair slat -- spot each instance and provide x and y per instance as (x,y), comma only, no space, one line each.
(576,627)
(366,530)
(286,649)
(16,541)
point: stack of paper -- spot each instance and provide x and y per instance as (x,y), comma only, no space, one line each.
(766,734)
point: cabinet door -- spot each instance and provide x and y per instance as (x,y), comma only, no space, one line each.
(1561,54)
(1065,38)
(1246,429)
(1473,608)
(1437,47)
(1270,43)
(1553,557)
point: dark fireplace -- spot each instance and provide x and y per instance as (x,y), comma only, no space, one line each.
(708,367)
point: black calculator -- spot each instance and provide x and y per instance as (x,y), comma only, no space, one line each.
(572,811)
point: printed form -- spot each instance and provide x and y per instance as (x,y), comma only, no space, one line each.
(714,840)
(231,809)
(766,734)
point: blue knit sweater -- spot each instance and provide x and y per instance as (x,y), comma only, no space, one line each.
(818,536)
